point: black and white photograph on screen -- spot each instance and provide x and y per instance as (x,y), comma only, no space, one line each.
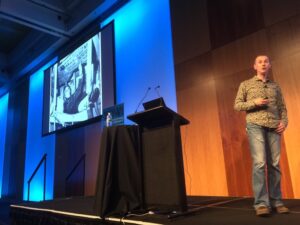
(76,86)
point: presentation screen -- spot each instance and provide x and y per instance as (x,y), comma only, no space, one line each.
(81,84)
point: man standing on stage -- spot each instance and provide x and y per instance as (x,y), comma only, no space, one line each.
(266,118)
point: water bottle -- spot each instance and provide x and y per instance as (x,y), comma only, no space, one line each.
(108,119)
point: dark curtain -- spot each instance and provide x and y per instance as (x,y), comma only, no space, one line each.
(118,189)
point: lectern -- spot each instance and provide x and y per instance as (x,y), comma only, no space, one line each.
(161,160)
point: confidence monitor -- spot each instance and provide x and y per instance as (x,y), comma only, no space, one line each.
(81,83)
(154,103)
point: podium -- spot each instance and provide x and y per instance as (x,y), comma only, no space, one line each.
(161,158)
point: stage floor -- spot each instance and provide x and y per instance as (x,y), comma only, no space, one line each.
(202,210)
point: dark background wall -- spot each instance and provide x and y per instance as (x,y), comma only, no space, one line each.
(76,158)
(215,43)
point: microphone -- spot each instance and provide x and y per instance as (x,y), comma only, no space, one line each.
(156,89)
(265,86)
(148,89)
(160,98)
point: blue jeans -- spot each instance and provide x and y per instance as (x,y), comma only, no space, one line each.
(265,152)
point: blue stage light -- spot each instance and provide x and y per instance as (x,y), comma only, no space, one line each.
(144,53)
(36,145)
(3,119)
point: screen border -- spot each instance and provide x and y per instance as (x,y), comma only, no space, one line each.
(63,52)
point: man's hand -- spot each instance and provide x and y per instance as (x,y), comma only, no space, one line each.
(280,128)
(261,101)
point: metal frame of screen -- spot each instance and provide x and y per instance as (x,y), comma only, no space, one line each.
(81,83)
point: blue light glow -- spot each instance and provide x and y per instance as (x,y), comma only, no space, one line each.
(36,61)
(144,54)
(3,119)
(36,145)
(144,58)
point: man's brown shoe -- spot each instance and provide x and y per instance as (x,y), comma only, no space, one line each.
(282,209)
(262,211)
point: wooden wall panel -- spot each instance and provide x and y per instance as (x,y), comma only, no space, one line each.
(286,179)
(69,148)
(190,27)
(233,19)
(235,143)
(284,38)
(275,11)
(92,151)
(215,143)
(286,73)
(71,145)
(204,161)
(240,54)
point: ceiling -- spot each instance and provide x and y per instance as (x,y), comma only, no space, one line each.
(32,30)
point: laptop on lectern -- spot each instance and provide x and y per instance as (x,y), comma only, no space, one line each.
(154,103)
